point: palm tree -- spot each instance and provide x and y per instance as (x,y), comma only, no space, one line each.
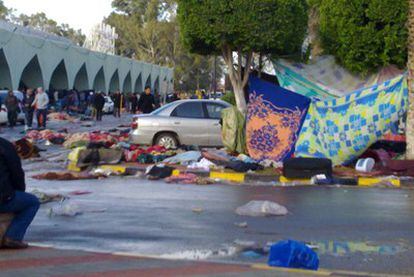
(410,116)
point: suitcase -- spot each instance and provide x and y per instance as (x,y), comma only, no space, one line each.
(306,168)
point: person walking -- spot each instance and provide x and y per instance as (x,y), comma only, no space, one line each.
(98,104)
(13,198)
(40,104)
(117,99)
(12,104)
(146,103)
(28,108)
(134,103)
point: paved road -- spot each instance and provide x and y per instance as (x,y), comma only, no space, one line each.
(366,230)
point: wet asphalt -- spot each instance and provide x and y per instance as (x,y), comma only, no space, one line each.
(369,230)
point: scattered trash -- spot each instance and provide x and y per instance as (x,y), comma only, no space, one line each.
(293,254)
(48,197)
(241,224)
(65,209)
(156,172)
(245,243)
(261,208)
(365,165)
(197,210)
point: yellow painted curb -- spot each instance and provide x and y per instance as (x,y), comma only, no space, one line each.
(284,180)
(368,182)
(292,270)
(233,177)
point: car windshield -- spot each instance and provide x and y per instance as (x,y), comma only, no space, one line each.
(160,110)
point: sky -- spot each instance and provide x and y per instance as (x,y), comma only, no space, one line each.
(79,14)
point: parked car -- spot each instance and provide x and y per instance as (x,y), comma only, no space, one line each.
(3,109)
(183,122)
(108,106)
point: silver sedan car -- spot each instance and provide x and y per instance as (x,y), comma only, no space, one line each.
(184,122)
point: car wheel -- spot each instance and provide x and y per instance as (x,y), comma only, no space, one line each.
(169,141)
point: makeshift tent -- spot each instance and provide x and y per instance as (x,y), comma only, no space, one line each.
(274,118)
(324,79)
(342,129)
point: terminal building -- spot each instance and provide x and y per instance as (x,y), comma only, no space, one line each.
(31,58)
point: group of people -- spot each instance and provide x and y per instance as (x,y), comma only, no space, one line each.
(33,103)
(144,103)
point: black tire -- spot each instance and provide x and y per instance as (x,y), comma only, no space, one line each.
(167,140)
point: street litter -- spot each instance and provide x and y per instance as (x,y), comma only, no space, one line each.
(48,197)
(241,224)
(293,254)
(65,176)
(160,171)
(65,209)
(197,210)
(261,208)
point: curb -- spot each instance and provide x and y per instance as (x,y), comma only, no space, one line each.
(249,178)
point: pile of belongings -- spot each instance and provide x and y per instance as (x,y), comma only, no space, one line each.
(49,135)
(25,149)
(94,155)
(83,139)
(65,176)
(221,158)
(153,154)
(60,117)
(188,178)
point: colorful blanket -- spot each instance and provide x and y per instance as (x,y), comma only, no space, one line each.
(342,129)
(274,118)
(325,79)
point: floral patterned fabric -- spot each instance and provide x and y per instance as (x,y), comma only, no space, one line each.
(342,129)
(274,119)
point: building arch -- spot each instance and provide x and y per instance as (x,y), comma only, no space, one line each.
(127,86)
(114,82)
(5,76)
(148,82)
(138,84)
(59,79)
(81,79)
(31,76)
(156,87)
(99,81)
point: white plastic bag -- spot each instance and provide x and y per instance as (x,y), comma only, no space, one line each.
(65,209)
(262,208)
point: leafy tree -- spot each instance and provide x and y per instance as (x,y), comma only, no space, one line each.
(4,11)
(364,35)
(41,22)
(275,27)
(148,31)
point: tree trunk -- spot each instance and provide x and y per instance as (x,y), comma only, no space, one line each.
(410,115)
(238,76)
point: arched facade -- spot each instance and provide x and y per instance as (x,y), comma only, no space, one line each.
(127,86)
(99,81)
(29,58)
(81,81)
(5,77)
(31,76)
(59,78)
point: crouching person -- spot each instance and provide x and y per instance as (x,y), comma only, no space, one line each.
(13,198)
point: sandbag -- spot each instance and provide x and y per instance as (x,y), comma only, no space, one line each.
(306,168)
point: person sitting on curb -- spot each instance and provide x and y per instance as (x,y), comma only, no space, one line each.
(13,198)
